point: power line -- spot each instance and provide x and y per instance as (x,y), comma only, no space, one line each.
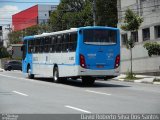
(21,18)
(24,10)
(26,2)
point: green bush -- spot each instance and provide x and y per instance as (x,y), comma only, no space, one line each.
(153,48)
(156,80)
(3,52)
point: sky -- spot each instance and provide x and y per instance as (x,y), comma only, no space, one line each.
(10,7)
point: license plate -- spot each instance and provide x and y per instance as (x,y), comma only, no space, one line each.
(100,66)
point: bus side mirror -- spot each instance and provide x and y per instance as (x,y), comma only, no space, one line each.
(22,48)
(80,32)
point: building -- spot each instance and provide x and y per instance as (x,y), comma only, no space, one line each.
(149,31)
(16,51)
(38,14)
(4,31)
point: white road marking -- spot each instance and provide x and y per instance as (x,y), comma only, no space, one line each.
(19,78)
(20,93)
(35,81)
(78,109)
(97,92)
(12,77)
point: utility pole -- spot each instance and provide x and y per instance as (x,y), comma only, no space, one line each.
(1,36)
(94,12)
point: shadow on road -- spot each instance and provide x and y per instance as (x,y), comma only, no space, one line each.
(78,83)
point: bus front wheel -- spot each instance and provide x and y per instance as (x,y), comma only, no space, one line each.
(56,78)
(30,75)
(88,81)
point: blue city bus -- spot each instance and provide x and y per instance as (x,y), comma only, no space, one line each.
(88,53)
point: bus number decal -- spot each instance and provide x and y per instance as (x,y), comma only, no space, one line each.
(35,58)
(71,58)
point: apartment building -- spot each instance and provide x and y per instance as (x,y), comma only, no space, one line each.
(149,31)
(38,14)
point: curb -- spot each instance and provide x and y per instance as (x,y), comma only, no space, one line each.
(137,81)
(140,81)
(156,83)
(121,79)
(1,70)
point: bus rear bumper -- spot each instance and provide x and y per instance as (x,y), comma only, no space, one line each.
(98,73)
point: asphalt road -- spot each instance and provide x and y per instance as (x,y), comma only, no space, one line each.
(41,96)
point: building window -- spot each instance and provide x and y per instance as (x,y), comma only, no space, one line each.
(157,31)
(124,38)
(44,21)
(134,36)
(146,34)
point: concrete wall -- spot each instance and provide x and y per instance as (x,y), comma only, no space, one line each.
(142,63)
(150,11)
(2,61)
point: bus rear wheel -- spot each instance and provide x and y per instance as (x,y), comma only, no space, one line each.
(56,78)
(30,75)
(88,81)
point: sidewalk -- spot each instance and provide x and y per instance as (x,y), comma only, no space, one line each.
(143,79)
(1,70)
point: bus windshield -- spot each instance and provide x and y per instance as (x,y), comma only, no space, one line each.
(99,36)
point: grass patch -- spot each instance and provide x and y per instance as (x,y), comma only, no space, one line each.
(131,77)
(156,80)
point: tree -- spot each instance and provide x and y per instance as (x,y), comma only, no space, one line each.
(71,13)
(132,23)
(106,12)
(153,48)
(3,52)
(16,36)
(77,13)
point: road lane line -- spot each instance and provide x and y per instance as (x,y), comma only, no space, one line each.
(19,78)
(78,109)
(8,76)
(97,92)
(20,93)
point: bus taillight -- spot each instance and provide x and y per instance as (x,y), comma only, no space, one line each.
(117,61)
(82,61)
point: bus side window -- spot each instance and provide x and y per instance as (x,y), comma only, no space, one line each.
(54,41)
(41,45)
(65,42)
(46,44)
(62,43)
(73,41)
(37,44)
(50,44)
(59,43)
(30,46)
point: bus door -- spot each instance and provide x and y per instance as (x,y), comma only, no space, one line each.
(24,52)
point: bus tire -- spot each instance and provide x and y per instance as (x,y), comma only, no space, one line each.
(56,78)
(30,76)
(88,81)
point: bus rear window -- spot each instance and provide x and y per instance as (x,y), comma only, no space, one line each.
(99,36)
